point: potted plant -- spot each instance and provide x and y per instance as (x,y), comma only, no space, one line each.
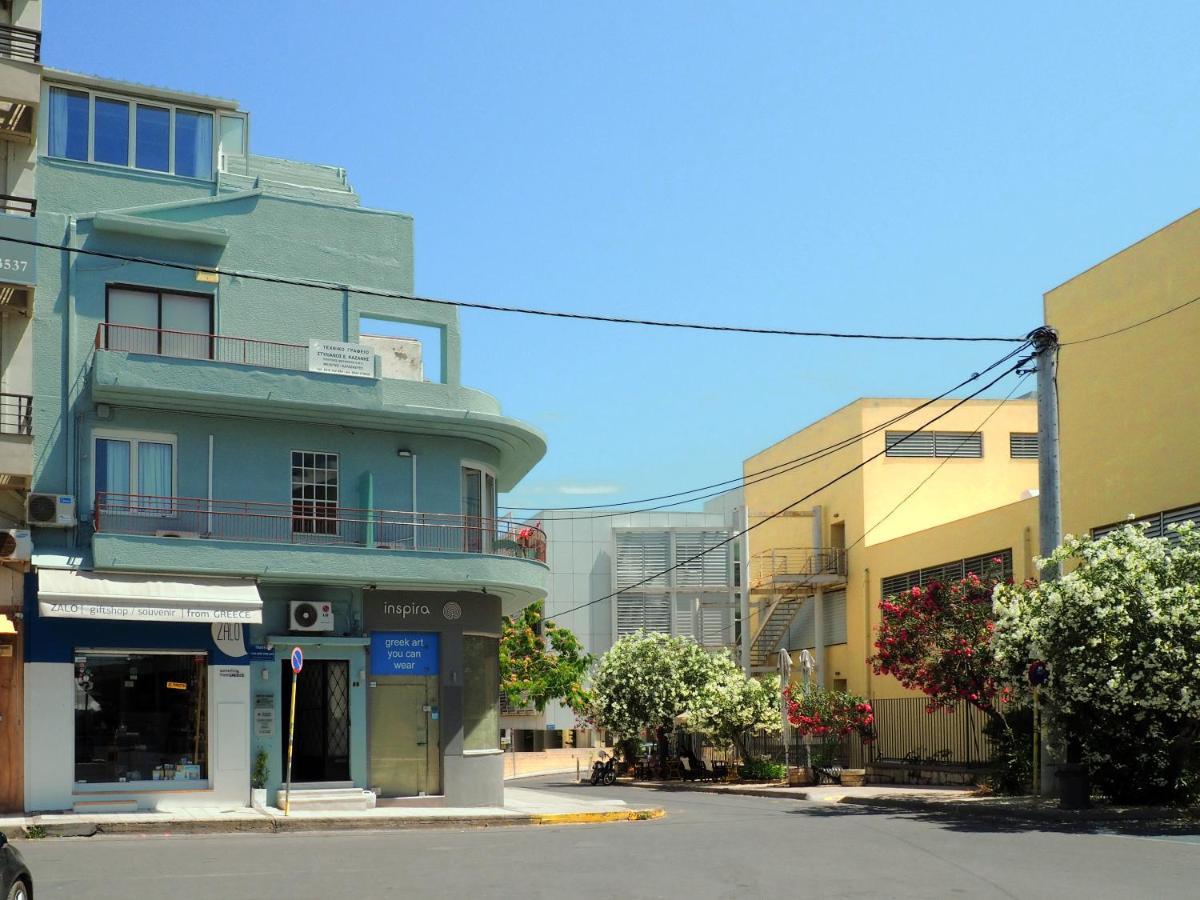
(258,780)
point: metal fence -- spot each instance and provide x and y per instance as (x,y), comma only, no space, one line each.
(905,734)
(201,345)
(20,43)
(16,414)
(315,523)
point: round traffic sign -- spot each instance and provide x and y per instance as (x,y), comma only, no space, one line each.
(297,660)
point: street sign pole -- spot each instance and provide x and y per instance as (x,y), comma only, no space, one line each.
(297,665)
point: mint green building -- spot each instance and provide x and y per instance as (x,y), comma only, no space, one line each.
(226,467)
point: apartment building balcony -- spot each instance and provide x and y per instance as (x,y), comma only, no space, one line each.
(796,569)
(234,376)
(310,541)
(16,441)
(20,82)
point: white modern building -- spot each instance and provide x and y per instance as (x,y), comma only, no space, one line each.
(595,553)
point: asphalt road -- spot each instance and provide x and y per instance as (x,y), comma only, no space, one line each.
(706,847)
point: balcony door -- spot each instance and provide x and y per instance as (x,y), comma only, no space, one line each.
(479,508)
(159,322)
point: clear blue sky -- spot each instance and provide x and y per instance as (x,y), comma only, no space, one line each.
(928,167)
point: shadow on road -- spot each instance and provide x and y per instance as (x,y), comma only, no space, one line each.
(981,823)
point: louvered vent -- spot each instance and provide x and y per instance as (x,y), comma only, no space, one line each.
(642,555)
(1022,445)
(713,569)
(958,444)
(984,565)
(909,443)
(1157,524)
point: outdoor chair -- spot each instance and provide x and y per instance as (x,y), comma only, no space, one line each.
(695,772)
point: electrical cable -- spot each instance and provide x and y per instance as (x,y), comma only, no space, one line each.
(792,590)
(791,464)
(493,307)
(796,502)
(1098,337)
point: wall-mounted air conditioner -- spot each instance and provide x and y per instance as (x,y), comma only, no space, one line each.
(50,510)
(304,615)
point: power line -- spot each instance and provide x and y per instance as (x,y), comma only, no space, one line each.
(793,590)
(1099,337)
(796,502)
(776,470)
(493,307)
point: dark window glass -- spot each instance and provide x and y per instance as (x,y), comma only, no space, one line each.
(68,124)
(140,717)
(153,137)
(112,132)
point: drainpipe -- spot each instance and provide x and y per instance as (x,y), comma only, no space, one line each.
(368,488)
(68,365)
(210,484)
(818,600)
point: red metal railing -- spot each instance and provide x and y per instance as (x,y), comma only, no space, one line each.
(315,523)
(198,345)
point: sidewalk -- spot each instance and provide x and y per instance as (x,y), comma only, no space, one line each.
(944,800)
(522,806)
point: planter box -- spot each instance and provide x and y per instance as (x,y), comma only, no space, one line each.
(854,777)
(799,776)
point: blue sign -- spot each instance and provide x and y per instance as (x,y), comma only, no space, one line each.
(297,660)
(404,653)
(262,653)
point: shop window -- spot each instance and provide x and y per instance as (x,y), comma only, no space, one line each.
(140,716)
(481,687)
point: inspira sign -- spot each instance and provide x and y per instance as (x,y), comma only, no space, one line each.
(384,610)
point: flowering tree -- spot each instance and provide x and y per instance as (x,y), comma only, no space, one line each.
(937,639)
(540,662)
(1121,637)
(731,707)
(646,679)
(820,712)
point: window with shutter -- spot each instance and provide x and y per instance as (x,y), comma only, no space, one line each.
(984,565)
(642,555)
(958,444)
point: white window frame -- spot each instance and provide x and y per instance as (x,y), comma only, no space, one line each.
(337,519)
(135,438)
(487,517)
(221,151)
(134,102)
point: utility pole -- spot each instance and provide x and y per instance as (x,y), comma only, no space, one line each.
(1045,342)
(744,592)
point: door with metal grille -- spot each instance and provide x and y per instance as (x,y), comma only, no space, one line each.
(322,744)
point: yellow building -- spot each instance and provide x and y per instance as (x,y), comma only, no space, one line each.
(890,518)
(1129,399)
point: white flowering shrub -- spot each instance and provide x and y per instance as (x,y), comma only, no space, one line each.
(1121,635)
(646,679)
(731,707)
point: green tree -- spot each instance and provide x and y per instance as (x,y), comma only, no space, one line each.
(540,662)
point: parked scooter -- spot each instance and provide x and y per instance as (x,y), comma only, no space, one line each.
(604,770)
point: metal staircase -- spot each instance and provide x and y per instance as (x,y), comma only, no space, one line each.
(778,619)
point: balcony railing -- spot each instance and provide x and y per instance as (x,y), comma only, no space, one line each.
(796,561)
(197,345)
(21,43)
(18,206)
(315,523)
(16,414)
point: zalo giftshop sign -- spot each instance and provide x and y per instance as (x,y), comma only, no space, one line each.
(404,653)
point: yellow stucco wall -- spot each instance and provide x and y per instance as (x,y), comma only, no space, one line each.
(872,499)
(1008,527)
(1129,404)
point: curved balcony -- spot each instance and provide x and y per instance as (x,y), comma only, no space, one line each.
(153,368)
(308,540)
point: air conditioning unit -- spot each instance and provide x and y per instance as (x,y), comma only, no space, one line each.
(50,510)
(308,616)
(16,545)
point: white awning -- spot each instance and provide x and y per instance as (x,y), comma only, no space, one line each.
(74,594)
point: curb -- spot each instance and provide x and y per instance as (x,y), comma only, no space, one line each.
(280,824)
(983,810)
